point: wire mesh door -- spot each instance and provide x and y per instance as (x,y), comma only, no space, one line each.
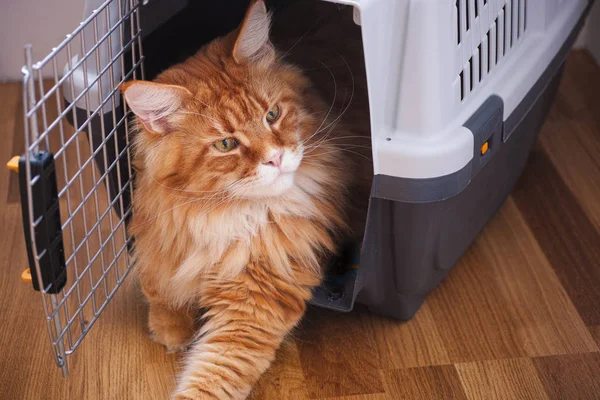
(75,175)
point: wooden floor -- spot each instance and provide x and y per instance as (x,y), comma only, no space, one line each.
(518,318)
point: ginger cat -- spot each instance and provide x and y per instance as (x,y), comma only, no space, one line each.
(242,191)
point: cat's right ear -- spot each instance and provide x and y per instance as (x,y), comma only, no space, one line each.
(154,103)
(252,42)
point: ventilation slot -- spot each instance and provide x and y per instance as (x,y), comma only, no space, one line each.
(513,17)
(458,27)
(489,51)
(503,35)
(471,74)
(524,16)
(519,16)
(505,28)
(467,12)
(480,62)
(498,40)
(468,19)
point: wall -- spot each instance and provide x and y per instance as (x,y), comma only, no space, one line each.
(43,23)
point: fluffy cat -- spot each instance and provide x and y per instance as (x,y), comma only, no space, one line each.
(242,191)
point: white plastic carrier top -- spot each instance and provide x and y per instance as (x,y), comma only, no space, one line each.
(432,63)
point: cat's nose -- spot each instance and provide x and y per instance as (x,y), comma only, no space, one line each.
(275,159)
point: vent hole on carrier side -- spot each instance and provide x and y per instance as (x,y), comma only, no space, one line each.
(458,21)
(512,22)
(497,39)
(504,44)
(480,62)
(518,19)
(489,51)
(468,16)
(476,8)
(462,85)
(524,15)
(471,74)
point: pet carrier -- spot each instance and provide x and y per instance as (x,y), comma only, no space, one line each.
(458,90)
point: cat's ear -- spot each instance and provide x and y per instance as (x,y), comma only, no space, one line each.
(155,103)
(252,42)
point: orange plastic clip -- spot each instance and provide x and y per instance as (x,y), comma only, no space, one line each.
(26,275)
(484,148)
(13,164)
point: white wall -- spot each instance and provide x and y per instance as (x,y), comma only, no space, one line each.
(43,23)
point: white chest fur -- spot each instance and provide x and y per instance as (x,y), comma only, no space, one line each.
(222,239)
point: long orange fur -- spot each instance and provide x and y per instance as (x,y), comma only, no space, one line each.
(201,242)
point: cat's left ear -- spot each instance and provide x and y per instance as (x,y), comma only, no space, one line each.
(155,104)
(252,42)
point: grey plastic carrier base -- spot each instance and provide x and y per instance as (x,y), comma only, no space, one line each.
(418,229)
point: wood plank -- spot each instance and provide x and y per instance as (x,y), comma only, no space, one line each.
(595,330)
(12,121)
(572,146)
(564,232)
(338,355)
(425,383)
(582,382)
(579,89)
(414,343)
(285,378)
(570,135)
(23,334)
(501,380)
(501,303)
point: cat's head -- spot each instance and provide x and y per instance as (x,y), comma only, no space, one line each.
(232,118)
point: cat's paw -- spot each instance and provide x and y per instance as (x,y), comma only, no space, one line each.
(174,342)
(173,329)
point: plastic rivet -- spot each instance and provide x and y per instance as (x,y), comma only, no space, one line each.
(335,294)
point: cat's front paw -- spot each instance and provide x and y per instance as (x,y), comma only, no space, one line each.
(174,342)
(172,329)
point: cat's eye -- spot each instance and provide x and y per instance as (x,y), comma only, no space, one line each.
(225,145)
(273,114)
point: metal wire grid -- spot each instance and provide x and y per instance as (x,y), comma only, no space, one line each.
(94,205)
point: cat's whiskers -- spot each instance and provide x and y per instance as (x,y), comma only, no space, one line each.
(195,191)
(336,151)
(330,107)
(341,114)
(333,146)
(342,146)
(344,137)
(335,121)
(318,21)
